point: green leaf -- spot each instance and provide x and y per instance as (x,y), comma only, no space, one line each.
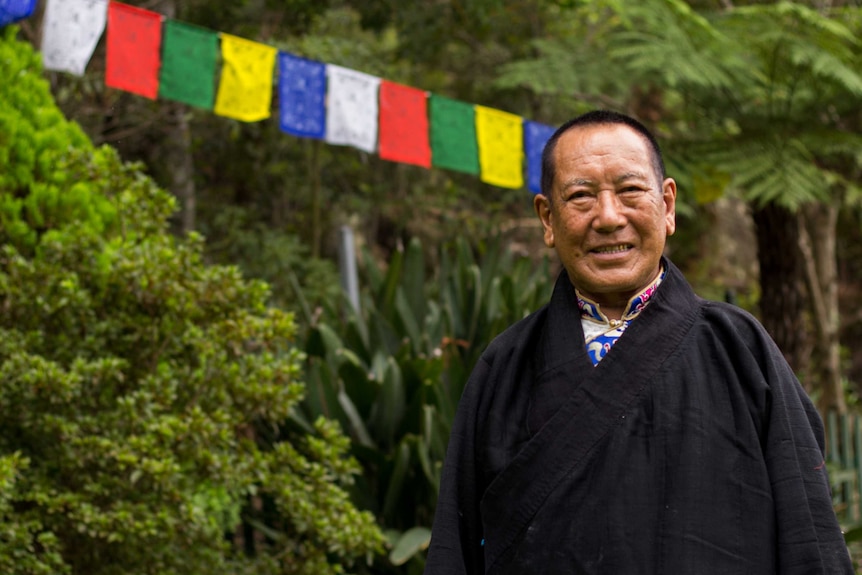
(354,375)
(409,544)
(323,342)
(414,278)
(408,322)
(392,403)
(401,464)
(853,534)
(356,424)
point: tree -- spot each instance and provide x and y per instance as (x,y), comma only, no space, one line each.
(147,400)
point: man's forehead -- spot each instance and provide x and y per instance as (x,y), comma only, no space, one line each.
(608,144)
(578,136)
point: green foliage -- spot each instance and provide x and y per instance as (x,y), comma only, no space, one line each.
(143,394)
(278,258)
(25,546)
(393,374)
(36,146)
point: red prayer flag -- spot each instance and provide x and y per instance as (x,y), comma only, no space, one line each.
(404,125)
(133,40)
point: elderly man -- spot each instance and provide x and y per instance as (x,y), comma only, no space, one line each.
(630,426)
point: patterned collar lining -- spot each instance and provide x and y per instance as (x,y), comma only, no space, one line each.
(592,311)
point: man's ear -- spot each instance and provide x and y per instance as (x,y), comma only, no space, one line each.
(543,210)
(668,191)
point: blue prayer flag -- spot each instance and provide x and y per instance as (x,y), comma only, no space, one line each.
(535,137)
(302,96)
(14,10)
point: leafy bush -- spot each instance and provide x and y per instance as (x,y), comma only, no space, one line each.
(144,396)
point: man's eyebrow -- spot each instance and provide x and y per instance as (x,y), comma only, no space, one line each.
(578,182)
(618,180)
(630,176)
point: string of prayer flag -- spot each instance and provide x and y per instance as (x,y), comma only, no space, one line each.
(351,112)
(536,135)
(133,40)
(404,125)
(302,96)
(245,89)
(316,100)
(189,58)
(70,32)
(14,10)
(453,135)
(500,136)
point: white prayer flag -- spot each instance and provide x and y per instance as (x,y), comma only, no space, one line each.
(71,30)
(351,109)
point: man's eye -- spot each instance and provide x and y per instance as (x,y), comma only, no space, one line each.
(632,192)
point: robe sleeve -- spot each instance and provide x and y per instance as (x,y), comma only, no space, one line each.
(456,535)
(809,539)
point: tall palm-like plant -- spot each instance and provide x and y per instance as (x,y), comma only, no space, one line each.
(393,373)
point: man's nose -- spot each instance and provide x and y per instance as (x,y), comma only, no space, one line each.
(609,214)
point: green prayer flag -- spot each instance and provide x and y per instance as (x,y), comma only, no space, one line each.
(453,135)
(189,60)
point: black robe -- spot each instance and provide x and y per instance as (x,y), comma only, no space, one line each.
(690,449)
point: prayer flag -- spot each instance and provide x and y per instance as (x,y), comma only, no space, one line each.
(189,58)
(404,124)
(535,137)
(351,112)
(453,135)
(501,147)
(14,10)
(134,39)
(70,31)
(302,96)
(245,90)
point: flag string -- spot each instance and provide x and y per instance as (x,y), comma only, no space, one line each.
(157,57)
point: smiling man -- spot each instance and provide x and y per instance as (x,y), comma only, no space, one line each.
(630,426)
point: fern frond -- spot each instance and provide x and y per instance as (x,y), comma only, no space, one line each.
(825,65)
(570,67)
(782,14)
(782,171)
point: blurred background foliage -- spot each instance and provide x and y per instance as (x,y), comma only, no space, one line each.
(756,104)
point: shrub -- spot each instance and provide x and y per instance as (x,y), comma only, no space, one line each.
(146,398)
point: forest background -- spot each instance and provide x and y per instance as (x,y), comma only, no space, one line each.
(756,105)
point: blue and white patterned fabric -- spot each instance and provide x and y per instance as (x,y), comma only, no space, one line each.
(601,333)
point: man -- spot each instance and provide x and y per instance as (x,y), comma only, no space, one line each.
(630,426)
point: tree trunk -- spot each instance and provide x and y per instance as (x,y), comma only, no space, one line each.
(817,227)
(182,172)
(782,298)
(180,160)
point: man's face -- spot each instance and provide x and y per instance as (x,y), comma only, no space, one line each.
(610,213)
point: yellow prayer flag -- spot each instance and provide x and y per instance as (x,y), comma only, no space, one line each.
(245,89)
(500,136)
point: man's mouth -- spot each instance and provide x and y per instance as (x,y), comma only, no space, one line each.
(612,249)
